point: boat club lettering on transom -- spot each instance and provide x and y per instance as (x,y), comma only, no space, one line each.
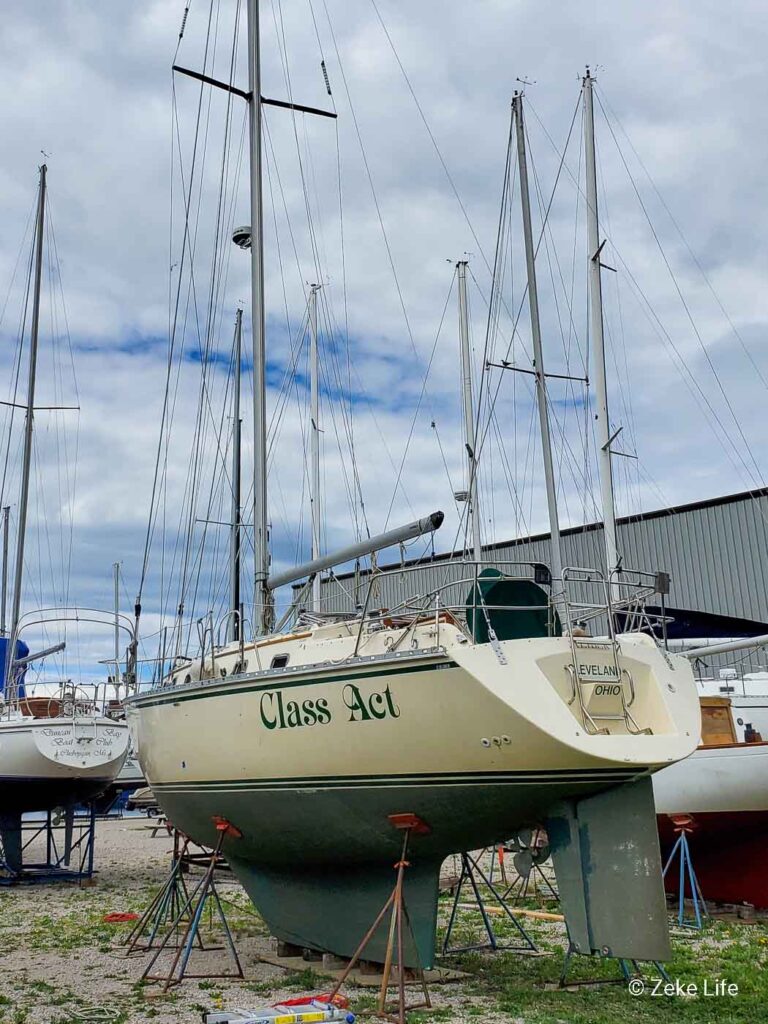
(277,712)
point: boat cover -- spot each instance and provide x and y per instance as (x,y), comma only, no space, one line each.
(21,652)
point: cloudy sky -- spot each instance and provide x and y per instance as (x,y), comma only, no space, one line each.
(417,157)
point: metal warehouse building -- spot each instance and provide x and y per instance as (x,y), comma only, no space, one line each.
(714,552)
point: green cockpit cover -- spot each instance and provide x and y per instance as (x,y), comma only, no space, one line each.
(516,609)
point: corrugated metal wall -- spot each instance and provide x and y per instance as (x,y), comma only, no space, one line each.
(715,553)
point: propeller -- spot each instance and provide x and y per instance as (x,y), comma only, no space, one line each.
(530,847)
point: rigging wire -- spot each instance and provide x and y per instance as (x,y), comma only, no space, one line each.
(683,301)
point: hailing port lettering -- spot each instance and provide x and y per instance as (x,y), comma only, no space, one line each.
(278,713)
(598,672)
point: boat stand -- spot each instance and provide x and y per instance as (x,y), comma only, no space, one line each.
(687,876)
(498,852)
(474,874)
(167,904)
(629,969)
(409,823)
(68,858)
(520,888)
(189,915)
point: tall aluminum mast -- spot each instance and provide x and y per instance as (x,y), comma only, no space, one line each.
(314,413)
(469,411)
(4,584)
(263,608)
(556,557)
(598,341)
(116,580)
(235,538)
(28,424)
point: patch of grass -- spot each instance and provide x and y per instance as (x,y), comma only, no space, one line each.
(304,981)
(263,988)
(520,986)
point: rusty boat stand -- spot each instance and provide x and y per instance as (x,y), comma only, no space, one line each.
(409,824)
(185,909)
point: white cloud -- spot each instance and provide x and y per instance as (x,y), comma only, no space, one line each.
(91,86)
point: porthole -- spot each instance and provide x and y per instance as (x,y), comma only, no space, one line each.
(187,678)
(279,661)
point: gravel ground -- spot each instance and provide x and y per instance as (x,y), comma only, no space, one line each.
(61,962)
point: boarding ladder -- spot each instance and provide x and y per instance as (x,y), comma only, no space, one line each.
(583,682)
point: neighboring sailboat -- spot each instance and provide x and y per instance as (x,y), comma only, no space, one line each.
(56,750)
(475,708)
(719,793)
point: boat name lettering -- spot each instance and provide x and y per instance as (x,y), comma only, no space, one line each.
(290,714)
(378,705)
(598,671)
(278,713)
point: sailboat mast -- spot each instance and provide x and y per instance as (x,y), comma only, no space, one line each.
(262,596)
(556,558)
(4,585)
(598,340)
(469,412)
(314,413)
(235,535)
(28,424)
(116,581)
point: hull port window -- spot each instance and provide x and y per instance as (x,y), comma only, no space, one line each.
(279,661)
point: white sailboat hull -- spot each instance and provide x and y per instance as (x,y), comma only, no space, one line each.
(46,763)
(310,762)
(715,780)
(724,791)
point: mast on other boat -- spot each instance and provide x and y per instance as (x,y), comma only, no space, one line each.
(542,400)
(314,438)
(469,413)
(602,422)
(21,532)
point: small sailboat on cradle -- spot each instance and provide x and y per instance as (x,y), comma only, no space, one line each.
(475,710)
(57,749)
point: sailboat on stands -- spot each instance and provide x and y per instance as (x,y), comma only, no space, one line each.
(719,795)
(470,712)
(58,749)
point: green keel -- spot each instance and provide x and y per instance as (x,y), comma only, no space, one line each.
(332,908)
(317,858)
